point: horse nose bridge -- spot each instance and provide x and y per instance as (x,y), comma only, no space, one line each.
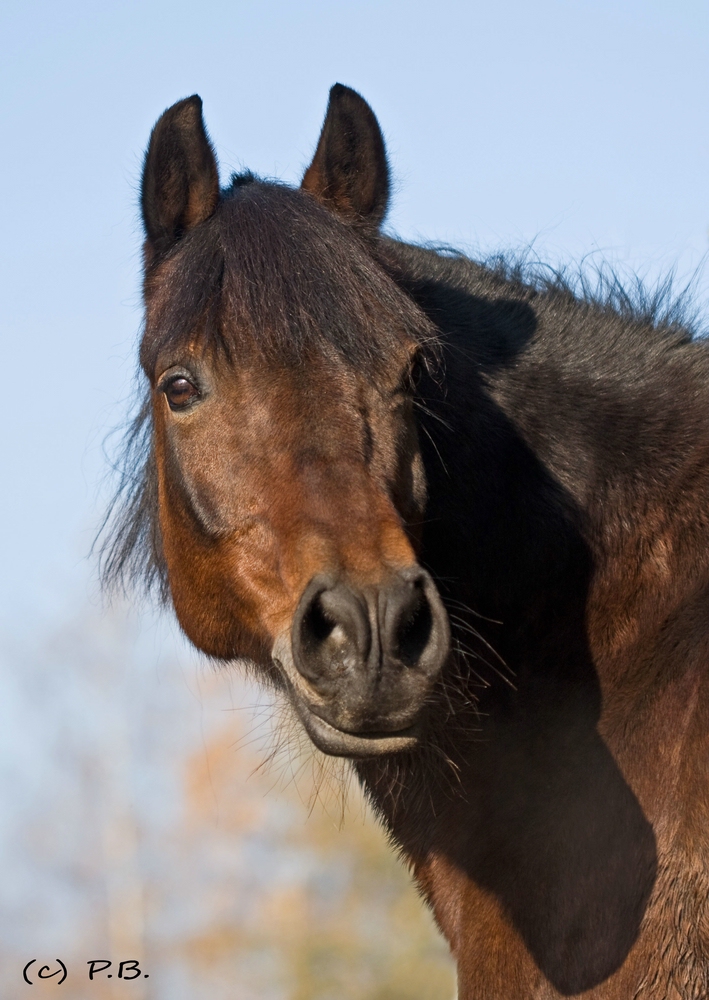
(339,514)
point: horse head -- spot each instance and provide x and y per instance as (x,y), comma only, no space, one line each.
(290,488)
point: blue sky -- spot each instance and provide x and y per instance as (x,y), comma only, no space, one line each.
(579,126)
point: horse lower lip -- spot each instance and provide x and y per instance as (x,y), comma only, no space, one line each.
(339,743)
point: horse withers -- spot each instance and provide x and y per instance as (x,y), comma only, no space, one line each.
(459,514)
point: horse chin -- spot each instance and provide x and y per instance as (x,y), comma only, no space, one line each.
(340,743)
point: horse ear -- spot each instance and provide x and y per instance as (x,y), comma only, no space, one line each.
(180,185)
(349,172)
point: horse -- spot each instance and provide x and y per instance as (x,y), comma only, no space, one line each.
(457,512)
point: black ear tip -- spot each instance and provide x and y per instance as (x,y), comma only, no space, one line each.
(188,110)
(191,104)
(339,92)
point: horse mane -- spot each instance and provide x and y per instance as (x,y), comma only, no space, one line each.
(663,313)
(274,268)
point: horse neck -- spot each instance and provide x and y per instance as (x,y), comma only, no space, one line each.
(567,527)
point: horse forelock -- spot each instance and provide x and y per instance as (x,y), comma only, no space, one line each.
(275,272)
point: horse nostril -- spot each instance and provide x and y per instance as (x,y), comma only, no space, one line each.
(316,626)
(413,629)
(414,623)
(331,633)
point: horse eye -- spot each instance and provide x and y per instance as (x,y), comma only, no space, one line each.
(180,392)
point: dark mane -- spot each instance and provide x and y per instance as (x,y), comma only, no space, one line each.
(273,266)
(659,309)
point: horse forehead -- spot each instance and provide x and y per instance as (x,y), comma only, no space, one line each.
(316,393)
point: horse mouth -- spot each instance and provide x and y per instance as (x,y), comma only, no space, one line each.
(351,716)
(370,743)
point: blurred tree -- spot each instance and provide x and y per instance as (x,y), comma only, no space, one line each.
(156,816)
(341,919)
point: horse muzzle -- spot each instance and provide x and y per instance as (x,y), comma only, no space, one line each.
(360,662)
